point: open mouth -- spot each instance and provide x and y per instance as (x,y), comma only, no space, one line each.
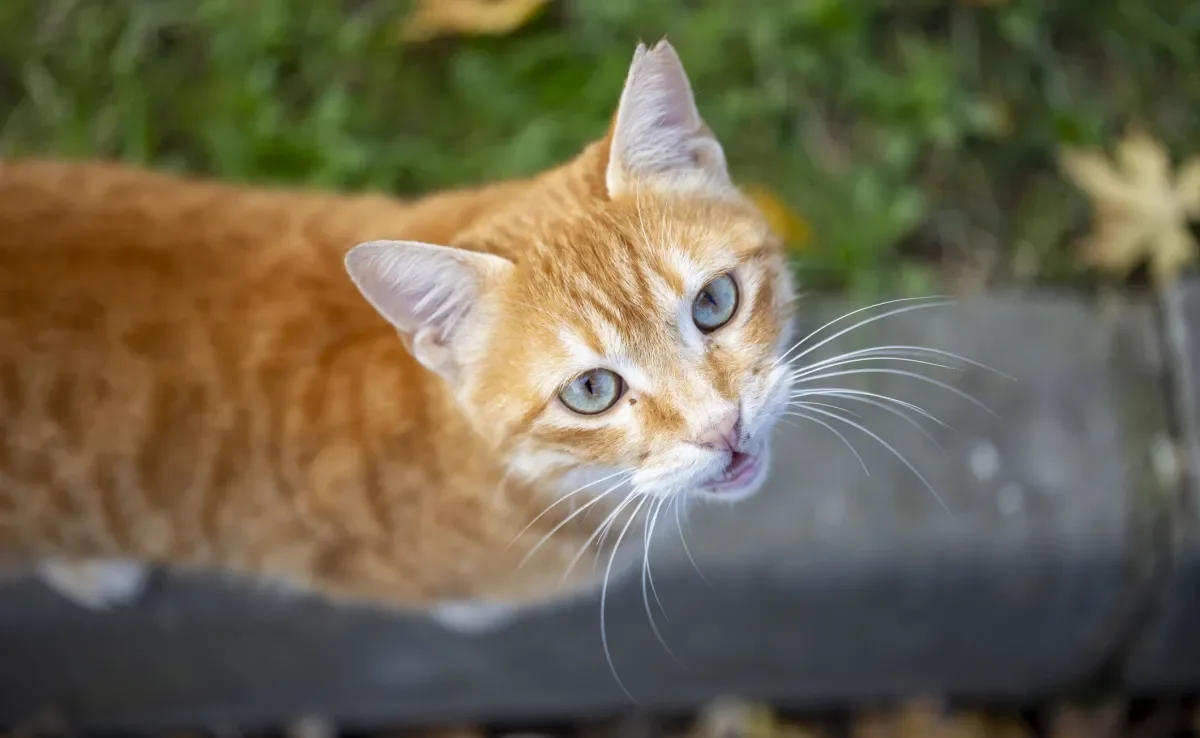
(740,470)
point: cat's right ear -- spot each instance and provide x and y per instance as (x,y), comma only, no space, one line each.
(658,138)
(429,293)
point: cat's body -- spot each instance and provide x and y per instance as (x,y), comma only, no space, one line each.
(188,376)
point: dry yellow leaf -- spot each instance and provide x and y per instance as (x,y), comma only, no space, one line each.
(432,18)
(1140,208)
(925,718)
(730,717)
(783,220)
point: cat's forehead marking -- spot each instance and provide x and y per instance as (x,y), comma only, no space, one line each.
(664,289)
(612,354)
(683,267)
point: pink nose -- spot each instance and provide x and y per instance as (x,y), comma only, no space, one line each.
(723,434)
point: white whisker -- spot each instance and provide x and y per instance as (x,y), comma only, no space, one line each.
(604,597)
(851,413)
(890,448)
(604,525)
(941,302)
(562,498)
(556,321)
(604,533)
(889,409)
(571,517)
(808,370)
(677,502)
(902,373)
(651,522)
(860,395)
(865,322)
(600,543)
(909,350)
(648,578)
(637,204)
(835,432)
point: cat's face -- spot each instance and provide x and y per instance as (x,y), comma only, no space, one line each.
(631,336)
(643,338)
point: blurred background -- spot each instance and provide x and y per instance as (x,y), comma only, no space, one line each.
(902,144)
(899,145)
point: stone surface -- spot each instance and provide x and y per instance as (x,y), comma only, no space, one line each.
(1012,576)
(1167,656)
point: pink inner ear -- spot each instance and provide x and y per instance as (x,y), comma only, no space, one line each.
(417,287)
(657,115)
(664,89)
(658,129)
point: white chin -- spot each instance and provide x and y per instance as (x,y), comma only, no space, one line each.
(744,489)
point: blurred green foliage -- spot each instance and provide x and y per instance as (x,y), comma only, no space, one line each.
(916,136)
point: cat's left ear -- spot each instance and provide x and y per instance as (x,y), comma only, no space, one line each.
(431,294)
(658,138)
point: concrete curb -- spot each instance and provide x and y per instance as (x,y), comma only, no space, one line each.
(1166,655)
(1044,571)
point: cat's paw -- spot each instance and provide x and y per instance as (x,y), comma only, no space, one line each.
(97,584)
(473,618)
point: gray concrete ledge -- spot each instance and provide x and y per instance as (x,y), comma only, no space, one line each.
(1043,571)
(1166,655)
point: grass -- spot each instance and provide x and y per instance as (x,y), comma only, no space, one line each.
(916,136)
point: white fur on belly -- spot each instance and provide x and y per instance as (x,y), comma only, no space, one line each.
(97,584)
(472,617)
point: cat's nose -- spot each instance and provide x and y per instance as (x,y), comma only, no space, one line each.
(722,435)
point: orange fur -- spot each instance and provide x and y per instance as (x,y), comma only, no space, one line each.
(189,377)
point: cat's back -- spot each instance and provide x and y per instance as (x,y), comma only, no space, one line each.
(156,330)
(93,238)
(103,257)
(97,238)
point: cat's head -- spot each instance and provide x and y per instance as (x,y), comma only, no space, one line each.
(621,319)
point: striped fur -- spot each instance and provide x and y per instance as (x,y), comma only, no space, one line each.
(188,376)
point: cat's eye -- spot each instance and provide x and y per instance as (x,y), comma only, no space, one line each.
(716,303)
(593,392)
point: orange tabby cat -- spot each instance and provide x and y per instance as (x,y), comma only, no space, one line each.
(189,377)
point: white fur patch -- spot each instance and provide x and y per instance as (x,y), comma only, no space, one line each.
(473,618)
(97,584)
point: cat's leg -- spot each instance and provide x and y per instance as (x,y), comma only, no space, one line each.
(473,618)
(96,584)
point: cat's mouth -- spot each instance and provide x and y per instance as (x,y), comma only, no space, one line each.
(742,475)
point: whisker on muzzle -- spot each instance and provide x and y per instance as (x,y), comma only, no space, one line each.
(612,557)
(926,302)
(572,516)
(890,448)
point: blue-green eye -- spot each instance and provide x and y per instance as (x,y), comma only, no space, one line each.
(593,392)
(716,304)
